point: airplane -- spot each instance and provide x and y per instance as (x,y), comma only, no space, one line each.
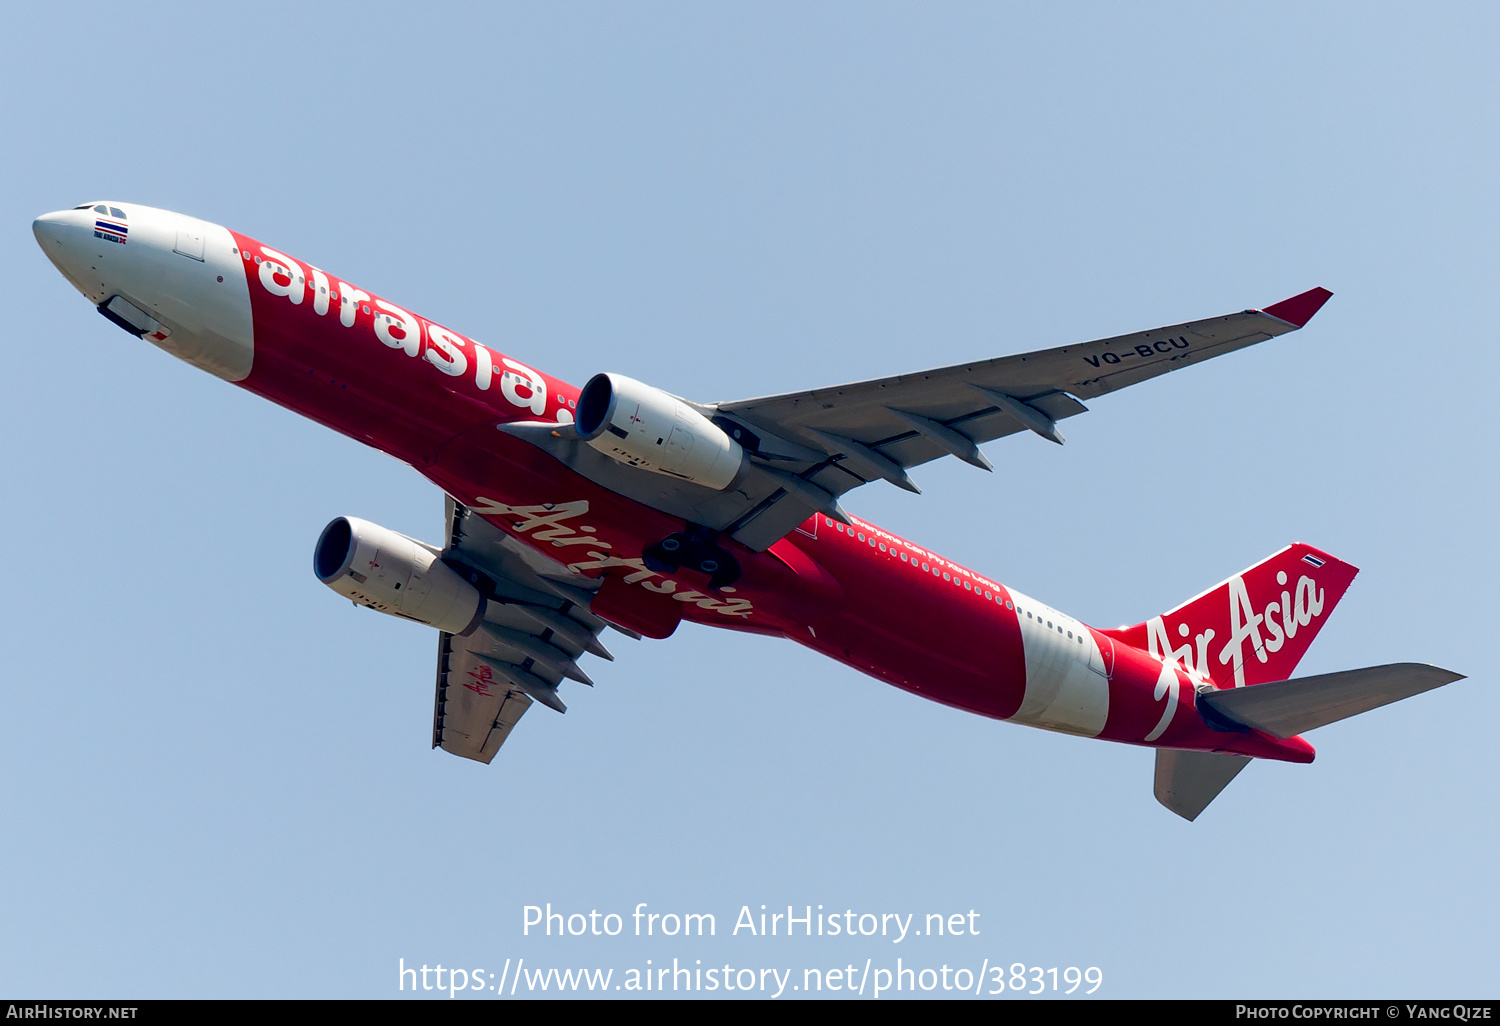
(618,505)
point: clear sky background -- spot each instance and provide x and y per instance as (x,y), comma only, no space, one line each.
(215,774)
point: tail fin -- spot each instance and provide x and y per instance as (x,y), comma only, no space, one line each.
(1254,627)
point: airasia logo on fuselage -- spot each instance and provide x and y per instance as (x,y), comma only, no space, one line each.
(447,351)
(1266,631)
(456,356)
(549,523)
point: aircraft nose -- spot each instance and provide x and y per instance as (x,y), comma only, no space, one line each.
(50,226)
(65,237)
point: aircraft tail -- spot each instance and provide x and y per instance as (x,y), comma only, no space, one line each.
(1187,781)
(1253,628)
(1286,708)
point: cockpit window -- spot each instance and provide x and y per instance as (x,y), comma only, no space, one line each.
(101,209)
(117,212)
(83,206)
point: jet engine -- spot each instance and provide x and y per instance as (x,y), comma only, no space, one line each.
(376,567)
(644,427)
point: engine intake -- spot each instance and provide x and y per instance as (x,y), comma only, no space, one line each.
(645,427)
(389,572)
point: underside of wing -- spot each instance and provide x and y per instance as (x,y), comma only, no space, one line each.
(535,628)
(910,419)
(805,449)
(877,429)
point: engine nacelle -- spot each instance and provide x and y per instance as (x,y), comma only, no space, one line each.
(645,427)
(376,567)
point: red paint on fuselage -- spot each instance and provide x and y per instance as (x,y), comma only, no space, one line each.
(422,397)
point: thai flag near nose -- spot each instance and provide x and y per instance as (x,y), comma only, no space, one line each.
(112,228)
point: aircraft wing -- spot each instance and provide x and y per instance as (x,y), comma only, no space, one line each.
(877,429)
(808,448)
(913,418)
(536,626)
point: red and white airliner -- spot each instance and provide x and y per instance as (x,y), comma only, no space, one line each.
(618,505)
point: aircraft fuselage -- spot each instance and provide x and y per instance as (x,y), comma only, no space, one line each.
(430,396)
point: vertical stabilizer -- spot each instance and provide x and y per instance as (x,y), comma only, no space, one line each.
(1254,627)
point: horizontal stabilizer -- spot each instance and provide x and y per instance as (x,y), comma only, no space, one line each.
(1187,781)
(1286,708)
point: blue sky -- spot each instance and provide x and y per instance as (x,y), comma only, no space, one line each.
(218,774)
